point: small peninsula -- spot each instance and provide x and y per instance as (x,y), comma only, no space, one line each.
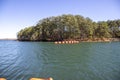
(71,27)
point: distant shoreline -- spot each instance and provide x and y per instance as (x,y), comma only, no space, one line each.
(84,40)
(102,40)
(13,39)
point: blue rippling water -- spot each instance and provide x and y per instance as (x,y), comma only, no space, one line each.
(83,61)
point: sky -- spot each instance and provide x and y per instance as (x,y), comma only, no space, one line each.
(18,14)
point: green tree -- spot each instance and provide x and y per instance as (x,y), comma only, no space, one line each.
(103,30)
(70,27)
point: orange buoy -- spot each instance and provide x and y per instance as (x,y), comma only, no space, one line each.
(59,42)
(56,42)
(69,41)
(66,42)
(63,42)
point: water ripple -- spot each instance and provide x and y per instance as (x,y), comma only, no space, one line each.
(83,61)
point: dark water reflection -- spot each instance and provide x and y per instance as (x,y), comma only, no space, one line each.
(83,61)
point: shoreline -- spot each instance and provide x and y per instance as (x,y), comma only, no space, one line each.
(101,40)
(88,40)
(12,39)
(80,40)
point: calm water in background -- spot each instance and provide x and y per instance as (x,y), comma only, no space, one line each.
(83,61)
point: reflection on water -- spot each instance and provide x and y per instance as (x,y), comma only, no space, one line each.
(83,61)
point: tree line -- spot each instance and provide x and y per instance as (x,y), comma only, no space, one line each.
(66,27)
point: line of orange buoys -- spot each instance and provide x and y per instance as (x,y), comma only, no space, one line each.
(66,42)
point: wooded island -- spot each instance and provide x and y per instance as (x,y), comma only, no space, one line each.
(70,27)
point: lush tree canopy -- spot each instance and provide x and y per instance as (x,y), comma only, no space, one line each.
(70,27)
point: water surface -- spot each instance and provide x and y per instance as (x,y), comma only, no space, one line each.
(83,61)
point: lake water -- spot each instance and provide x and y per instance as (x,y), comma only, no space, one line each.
(83,61)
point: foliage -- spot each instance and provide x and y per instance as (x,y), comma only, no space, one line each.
(69,27)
